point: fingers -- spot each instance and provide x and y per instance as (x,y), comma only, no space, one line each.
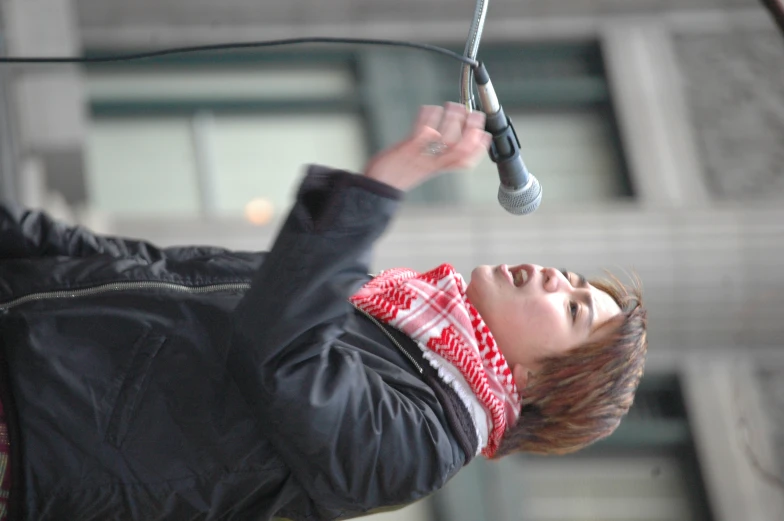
(476,119)
(419,158)
(453,123)
(462,131)
(469,150)
(429,117)
(473,141)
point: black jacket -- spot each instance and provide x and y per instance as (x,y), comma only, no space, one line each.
(198,383)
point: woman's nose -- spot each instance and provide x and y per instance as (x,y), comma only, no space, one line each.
(552,279)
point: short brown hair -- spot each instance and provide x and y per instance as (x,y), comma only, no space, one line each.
(580,397)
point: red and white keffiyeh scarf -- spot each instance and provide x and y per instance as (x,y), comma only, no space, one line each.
(432,309)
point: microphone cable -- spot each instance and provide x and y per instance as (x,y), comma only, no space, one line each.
(240,45)
(519,193)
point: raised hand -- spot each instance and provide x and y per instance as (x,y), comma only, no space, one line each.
(443,139)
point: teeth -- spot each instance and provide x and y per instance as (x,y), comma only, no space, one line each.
(520,277)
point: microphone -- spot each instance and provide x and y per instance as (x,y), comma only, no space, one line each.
(519,192)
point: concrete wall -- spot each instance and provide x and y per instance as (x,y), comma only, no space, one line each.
(98,14)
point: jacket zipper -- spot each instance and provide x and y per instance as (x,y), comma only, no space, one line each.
(393,339)
(123,286)
(411,358)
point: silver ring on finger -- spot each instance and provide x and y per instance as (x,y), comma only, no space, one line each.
(435,148)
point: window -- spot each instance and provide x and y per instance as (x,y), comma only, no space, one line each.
(201,136)
(571,151)
(190,138)
(142,166)
(212,163)
(558,98)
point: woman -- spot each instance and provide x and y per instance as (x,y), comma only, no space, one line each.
(198,383)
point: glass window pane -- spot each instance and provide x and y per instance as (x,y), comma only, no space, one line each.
(264,156)
(608,488)
(320,82)
(142,167)
(572,153)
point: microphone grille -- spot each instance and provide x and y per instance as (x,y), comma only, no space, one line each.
(522,201)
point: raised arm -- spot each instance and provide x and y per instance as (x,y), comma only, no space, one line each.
(353,440)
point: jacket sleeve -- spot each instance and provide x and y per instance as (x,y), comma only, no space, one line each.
(353,441)
(26,233)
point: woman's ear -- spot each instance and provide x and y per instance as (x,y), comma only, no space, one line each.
(521,375)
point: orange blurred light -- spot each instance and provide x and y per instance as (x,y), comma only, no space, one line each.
(259,211)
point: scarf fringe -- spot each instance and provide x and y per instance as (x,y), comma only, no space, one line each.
(463,391)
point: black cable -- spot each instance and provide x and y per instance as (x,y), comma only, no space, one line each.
(241,45)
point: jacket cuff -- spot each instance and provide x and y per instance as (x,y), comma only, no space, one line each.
(331,199)
(324,178)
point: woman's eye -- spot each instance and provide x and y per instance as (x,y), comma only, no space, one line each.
(566,274)
(573,308)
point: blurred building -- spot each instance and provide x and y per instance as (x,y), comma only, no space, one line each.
(656,128)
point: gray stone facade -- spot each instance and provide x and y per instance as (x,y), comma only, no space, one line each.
(105,13)
(735,86)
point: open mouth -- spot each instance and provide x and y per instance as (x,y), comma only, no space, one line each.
(520,277)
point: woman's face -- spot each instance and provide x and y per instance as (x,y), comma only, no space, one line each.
(535,312)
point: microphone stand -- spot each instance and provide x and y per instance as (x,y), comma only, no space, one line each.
(471,51)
